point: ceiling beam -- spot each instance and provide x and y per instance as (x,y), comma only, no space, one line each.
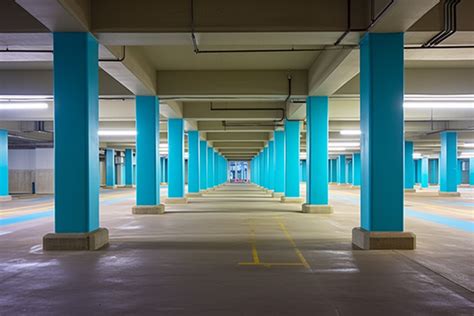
(257,145)
(237,137)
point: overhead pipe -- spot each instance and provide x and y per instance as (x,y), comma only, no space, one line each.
(450,24)
(50,51)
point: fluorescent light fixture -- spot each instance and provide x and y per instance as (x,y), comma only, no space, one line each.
(337,148)
(439,105)
(416,155)
(468,145)
(350,132)
(163,145)
(344,144)
(117,132)
(23,105)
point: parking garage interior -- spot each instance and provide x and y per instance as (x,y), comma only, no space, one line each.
(204,157)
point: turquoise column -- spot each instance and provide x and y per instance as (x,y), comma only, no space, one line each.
(76,143)
(409,166)
(292,159)
(424,172)
(265,167)
(175,158)
(110,167)
(317,136)
(128,167)
(210,167)
(203,165)
(271,165)
(382,143)
(448,162)
(433,171)
(459,171)
(418,170)
(279,162)
(147,151)
(329,170)
(471,171)
(262,168)
(257,169)
(334,170)
(303,176)
(341,169)
(193,162)
(216,168)
(4,166)
(166,169)
(356,169)
(349,172)
(162,169)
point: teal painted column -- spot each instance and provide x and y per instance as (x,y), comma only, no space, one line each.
(216,168)
(317,137)
(279,162)
(162,169)
(418,170)
(334,170)
(203,165)
(433,174)
(128,167)
(409,166)
(110,167)
(471,171)
(4,166)
(356,169)
(448,162)
(303,175)
(382,125)
(459,171)
(76,143)
(271,165)
(210,167)
(147,151)
(262,168)
(349,172)
(341,169)
(193,162)
(292,159)
(329,170)
(175,158)
(166,169)
(424,173)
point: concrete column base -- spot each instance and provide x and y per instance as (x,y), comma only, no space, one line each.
(316,209)
(5,198)
(355,187)
(452,194)
(269,191)
(129,186)
(365,240)
(176,200)
(76,241)
(410,190)
(193,194)
(277,194)
(110,187)
(163,183)
(286,199)
(148,209)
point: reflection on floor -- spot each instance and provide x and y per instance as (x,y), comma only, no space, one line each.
(236,251)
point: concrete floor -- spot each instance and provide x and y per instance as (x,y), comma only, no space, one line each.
(237,251)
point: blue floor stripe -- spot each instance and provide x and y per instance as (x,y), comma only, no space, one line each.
(25,218)
(467,226)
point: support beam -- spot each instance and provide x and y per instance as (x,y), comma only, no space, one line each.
(424,173)
(148,167)
(292,162)
(448,164)
(279,163)
(129,168)
(110,168)
(409,167)
(193,162)
(382,216)
(176,162)
(203,160)
(356,169)
(76,145)
(4,193)
(317,122)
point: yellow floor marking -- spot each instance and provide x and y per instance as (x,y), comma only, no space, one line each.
(253,243)
(292,242)
(271,264)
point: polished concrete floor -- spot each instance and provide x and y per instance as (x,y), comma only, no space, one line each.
(237,251)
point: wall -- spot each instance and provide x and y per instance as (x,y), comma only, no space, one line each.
(26,166)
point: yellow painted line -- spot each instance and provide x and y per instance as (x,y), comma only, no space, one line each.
(253,243)
(292,242)
(272,264)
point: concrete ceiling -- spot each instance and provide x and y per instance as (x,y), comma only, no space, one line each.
(160,59)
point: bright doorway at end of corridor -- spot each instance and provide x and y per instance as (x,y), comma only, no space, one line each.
(238,171)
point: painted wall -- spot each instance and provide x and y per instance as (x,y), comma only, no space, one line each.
(28,166)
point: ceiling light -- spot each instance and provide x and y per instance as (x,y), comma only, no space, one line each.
(438,105)
(344,144)
(469,154)
(416,155)
(117,132)
(350,132)
(468,145)
(337,149)
(23,105)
